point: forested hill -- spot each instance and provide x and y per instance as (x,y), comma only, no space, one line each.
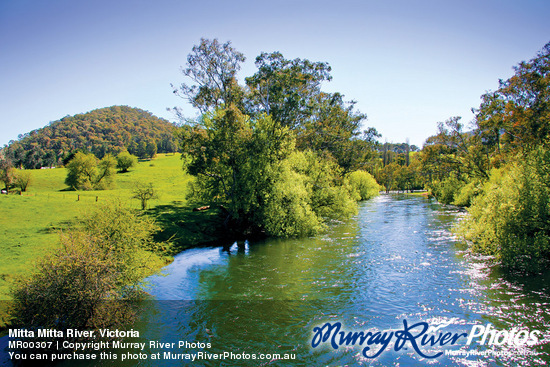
(101,131)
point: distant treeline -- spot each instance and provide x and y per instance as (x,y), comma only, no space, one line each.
(103,131)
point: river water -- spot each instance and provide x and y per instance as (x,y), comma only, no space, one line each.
(395,261)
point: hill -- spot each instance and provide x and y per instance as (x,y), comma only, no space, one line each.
(101,131)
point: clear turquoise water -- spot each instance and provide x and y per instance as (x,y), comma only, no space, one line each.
(396,260)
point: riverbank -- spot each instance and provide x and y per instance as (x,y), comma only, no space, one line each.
(32,221)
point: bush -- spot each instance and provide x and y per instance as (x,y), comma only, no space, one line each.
(511,219)
(363,185)
(125,161)
(467,193)
(87,283)
(23,179)
(77,287)
(288,211)
(445,191)
(306,190)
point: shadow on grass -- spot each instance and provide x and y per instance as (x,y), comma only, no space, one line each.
(185,228)
(58,226)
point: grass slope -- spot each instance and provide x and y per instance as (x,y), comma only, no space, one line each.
(31,222)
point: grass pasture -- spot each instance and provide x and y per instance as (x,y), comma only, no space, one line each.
(31,221)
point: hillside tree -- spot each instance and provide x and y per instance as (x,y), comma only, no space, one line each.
(125,161)
(212,68)
(7,173)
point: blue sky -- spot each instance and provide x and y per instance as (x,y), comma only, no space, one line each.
(408,64)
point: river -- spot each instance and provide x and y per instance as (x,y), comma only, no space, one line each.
(396,260)
(393,265)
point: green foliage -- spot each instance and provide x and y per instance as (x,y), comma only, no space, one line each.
(363,185)
(76,287)
(306,191)
(103,131)
(125,161)
(84,172)
(288,211)
(87,282)
(467,193)
(250,147)
(516,116)
(151,149)
(105,172)
(23,179)
(290,92)
(247,165)
(511,219)
(125,235)
(286,89)
(7,173)
(213,68)
(231,156)
(335,129)
(445,191)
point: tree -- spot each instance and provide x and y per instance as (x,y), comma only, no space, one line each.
(274,157)
(335,129)
(151,149)
(286,89)
(516,116)
(23,178)
(213,68)
(252,168)
(7,173)
(142,150)
(144,193)
(106,172)
(125,161)
(511,218)
(84,172)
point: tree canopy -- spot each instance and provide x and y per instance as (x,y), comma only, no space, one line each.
(500,168)
(273,153)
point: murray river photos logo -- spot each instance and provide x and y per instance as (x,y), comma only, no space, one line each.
(420,337)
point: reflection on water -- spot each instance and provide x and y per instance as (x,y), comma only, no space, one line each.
(395,261)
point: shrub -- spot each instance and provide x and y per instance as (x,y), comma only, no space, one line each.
(125,161)
(467,193)
(288,211)
(77,287)
(88,281)
(306,190)
(363,185)
(445,191)
(511,219)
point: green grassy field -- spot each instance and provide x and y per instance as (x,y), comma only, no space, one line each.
(31,222)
